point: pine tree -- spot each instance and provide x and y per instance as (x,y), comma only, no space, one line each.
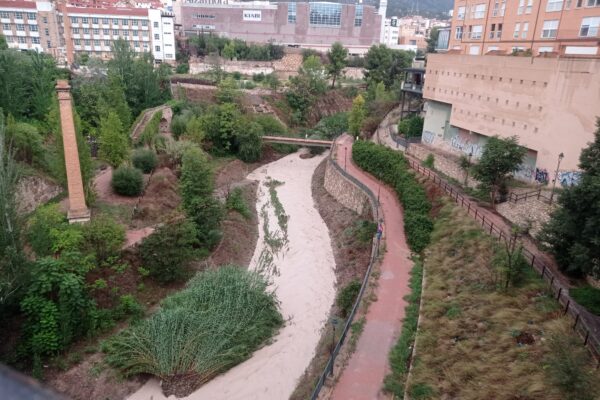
(357,115)
(114,144)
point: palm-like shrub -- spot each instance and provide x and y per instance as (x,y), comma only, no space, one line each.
(215,323)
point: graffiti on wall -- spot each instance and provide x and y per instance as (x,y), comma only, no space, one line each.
(466,146)
(541,175)
(524,172)
(569,178)
(428,137)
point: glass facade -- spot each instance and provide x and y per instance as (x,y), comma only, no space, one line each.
(291,13)
(358,16)
(325,14)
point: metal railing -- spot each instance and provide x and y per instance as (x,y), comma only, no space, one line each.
(328,370)
(400,141)
(582,318)
(537,194)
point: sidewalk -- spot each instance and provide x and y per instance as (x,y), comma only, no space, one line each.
(363,377)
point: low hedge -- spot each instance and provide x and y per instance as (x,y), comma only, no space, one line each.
(392,168)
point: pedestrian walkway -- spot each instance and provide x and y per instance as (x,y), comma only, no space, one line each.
(363,377)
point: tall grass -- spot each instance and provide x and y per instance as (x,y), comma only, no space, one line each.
(215,323)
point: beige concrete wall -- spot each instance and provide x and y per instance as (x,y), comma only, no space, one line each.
(550,104)
(344,191)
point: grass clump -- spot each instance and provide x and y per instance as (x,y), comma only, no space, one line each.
(392,168)
(347,296)
(588,297)
(401,353)
(235,201)
(215,323)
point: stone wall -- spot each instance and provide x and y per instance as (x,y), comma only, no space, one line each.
(345,191)
(447,164)
(33,191)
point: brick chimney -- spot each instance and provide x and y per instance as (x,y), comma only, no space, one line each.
(78,211)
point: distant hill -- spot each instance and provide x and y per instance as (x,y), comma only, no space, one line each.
(426,8)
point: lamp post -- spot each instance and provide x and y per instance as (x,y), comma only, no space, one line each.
(560,157)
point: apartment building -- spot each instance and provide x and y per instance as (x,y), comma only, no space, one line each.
(29,25)
(566,27)
(93,31)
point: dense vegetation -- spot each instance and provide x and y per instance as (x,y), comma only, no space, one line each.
(474,329)
(392,168)
(234,48)
(574,229)
(411,127)
(215,323)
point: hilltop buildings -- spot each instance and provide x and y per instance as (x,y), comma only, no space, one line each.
(539,79)
(65,31)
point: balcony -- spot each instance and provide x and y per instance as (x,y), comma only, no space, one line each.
(413,81)
(412,87)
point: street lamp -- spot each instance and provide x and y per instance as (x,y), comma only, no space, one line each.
(560,157)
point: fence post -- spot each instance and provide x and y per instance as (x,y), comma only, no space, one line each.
(469,208)
(532,259)
(567,307)
(576,321)
(552,281)
(475,214)
(539,193)
(587,336)
(559,292)
(543,270)
(491,227)
(462,202)
(483,220)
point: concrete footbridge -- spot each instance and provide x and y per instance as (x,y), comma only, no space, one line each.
(298,141)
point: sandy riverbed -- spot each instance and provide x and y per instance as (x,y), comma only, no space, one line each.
(304,282)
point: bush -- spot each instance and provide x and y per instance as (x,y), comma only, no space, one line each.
(103,237)
(144,160)
(127,181)
(235,201)
(39,227)
(218,321)
(429,161)
(392,168)
(167,252)
(588,297)
(182,68)
(347,297)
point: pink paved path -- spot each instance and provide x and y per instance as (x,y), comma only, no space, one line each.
(363,376)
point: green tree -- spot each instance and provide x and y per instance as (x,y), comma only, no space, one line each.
(220,125)
(196,185)
(228,91)
(312,68)
(357,115)
(103,237)
(432,39)
(500,158)
(13,264)
(383,64)
(3,44)
(573,231)
(249,141)
(338,59)
(229,51)
(114,144)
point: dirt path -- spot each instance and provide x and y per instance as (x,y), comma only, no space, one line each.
(148,114)
(303,279)
(363,376)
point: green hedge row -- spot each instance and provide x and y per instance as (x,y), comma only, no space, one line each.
(392,168)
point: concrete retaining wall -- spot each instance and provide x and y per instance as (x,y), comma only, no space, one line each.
(344,191)
(446,164)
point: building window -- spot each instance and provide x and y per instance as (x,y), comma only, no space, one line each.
(18,15)
(496,33)
(525,8)
(96,43)
(134,22)
(593,3)
(30,16)
(75,31)
(45,19)
(550,29)
(6,27)
(517,30)
(107,43)
(20,27)
(115,21)
(459,33)
(145,34)
(46,32)
(74,20)
(499,8)
(475,31)
(86,31)
(156,36)
(168,55)
(87,42)
(460,15)
(4,14)
(327,14)
(589,27)
(84,20)
(478,11)
(96,31)
(291,13)
(157,48)
(33,28)
(77,42)
(48,44)
(135,33)
(525,30)
(358,16)
(21,40)
(95,20)
(125,22)
(144,22)
(136,44)
(105,32)
(155,24)
(105,21)
(35,40)
(115,32)
(554,5)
